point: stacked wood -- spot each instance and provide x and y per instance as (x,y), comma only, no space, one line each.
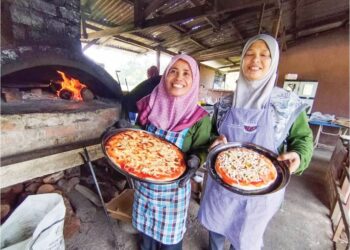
(77,188)
(11,94)
(9,198)
(12,197)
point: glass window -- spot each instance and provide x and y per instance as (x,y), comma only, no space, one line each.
(225,81)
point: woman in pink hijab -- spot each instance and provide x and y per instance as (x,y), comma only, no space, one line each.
(171,112)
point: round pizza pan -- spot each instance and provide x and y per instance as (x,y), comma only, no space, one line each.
(281,181)
(113,132)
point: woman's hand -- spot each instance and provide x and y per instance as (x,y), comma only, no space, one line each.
(220,140)
(292,159)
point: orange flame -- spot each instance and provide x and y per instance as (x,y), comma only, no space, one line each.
(71,84)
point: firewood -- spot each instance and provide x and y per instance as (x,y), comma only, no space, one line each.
(87,94)
(5,210)
(84,209)
(11,94)
(66,94)
(72,172)
(36,91)
(46,188)
(53,178)
(89,194)
(18,188)
(33,187)
(68,185)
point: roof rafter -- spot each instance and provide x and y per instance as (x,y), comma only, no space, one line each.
(209,19)
(195,12)
(153,6)
(132,42)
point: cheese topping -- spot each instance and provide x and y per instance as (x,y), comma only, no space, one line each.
(246,166)
(142,154)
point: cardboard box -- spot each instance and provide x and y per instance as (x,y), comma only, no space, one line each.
(120,207)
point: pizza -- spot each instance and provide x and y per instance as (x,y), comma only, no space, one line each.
(145,156)
(245,169)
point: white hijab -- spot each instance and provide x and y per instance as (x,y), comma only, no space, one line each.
(255,94)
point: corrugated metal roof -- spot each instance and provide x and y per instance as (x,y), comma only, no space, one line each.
(210,37)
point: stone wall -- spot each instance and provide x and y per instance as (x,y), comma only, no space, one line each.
(40,22)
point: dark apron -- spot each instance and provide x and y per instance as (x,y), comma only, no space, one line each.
(242,219)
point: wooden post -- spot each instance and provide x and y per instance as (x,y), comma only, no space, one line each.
(158,59)
(277,24)
(261,17)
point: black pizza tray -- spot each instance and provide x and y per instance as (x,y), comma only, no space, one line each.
(113,132)
(283,174)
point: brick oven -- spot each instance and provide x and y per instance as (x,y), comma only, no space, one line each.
(41,133)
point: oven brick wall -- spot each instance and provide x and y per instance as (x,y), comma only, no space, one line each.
(24,133)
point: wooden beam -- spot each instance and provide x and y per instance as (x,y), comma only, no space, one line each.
(225,46)
(171,18)
(158,59)
(339,17)
(113,31)
(222,51)
(125,49)
(89,44)
(182,31)
(198,43)
(178,28)
(278,4)
(148,37)
(284,40)
(209,19)
(297,4)
(236,31)
(233,62)
(261,17)
(104,40)
(130,2)
(277,24)
(83,25)
(233,70)
(134,42)
(296,18)
(195,12)
(138,13)
(27,170)
(152,7)
(226,66)
(227,21)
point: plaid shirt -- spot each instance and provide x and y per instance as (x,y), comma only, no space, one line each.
(160,211)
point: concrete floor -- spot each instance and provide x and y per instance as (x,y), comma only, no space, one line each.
(302,223)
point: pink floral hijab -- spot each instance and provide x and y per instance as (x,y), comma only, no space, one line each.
(168,112)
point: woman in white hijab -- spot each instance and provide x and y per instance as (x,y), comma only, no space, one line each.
(265,115)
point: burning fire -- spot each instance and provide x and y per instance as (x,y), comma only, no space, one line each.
(72,85)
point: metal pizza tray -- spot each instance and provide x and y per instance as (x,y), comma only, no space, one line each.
(113,132)
(283,174)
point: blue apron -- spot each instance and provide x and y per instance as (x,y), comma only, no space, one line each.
(160,211)
(242,219)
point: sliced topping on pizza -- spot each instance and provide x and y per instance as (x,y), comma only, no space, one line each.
(245,168)
(145,156)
